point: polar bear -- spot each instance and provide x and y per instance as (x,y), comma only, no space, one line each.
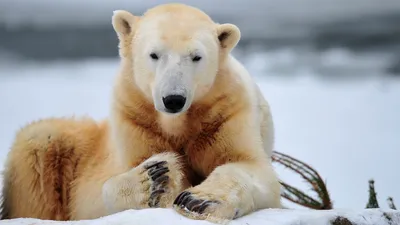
(188,129)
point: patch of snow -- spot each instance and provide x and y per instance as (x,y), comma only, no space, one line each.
(261,217)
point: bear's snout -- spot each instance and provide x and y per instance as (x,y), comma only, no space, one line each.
(174,103)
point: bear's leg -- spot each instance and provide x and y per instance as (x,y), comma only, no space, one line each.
(231,191)
(154,183)
(40,168)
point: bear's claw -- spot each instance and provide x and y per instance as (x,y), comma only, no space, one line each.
(157,173)
(155,164)
(187,201)
(154,198)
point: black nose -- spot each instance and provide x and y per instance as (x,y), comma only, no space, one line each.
(174,103)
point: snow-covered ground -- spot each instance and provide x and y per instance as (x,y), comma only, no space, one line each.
(348,129)
(268,216)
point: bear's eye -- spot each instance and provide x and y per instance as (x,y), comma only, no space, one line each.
(154,56)
(196,58)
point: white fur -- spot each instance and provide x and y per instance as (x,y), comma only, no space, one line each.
(261,113)
(127,190)
(240,186)
(174,72)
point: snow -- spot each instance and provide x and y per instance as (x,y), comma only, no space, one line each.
(266,216)
(347,128)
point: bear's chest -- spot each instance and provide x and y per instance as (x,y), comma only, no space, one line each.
(195,141)
(199,153)
(191,171)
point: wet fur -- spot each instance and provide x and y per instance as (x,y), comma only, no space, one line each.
(218,151)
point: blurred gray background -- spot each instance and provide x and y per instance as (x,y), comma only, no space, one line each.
(73,29)
(329,68)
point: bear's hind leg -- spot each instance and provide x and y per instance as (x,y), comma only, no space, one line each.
(40,168)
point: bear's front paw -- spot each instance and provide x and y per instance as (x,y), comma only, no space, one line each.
(162,179)
(153,183)
(159,180)
(210,204)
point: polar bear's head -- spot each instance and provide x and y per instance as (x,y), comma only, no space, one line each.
(175,52)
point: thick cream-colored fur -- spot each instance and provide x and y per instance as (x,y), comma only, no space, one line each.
(215,153)
(136,186)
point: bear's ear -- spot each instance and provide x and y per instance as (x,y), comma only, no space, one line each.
(123,22)
(228,36)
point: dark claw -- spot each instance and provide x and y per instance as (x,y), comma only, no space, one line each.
(161,181)
(192,204)
(155,197)
(188,201)
(155,164)
(198,208)
(156,193)
(178,199)
(158,172)
(185,200)
(204,206)
(201,207)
